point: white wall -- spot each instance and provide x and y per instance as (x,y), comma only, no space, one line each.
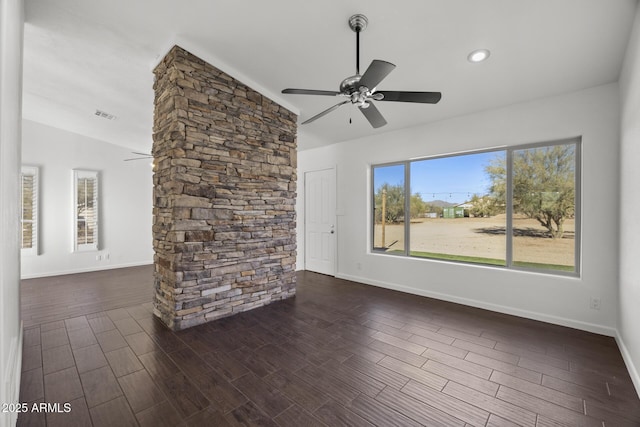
(125,202)
(629,320)
(592,114)
(11,31)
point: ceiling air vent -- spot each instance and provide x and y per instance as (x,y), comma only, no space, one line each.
(105,115)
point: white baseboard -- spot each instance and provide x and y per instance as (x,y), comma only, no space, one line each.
(85,270)
(626,356)
(12,374)
(576,324)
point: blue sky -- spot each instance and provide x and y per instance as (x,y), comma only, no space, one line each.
(452,179)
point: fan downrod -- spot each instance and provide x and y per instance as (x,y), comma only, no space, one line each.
(357,23)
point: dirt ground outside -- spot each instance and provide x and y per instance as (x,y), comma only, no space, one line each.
(483,237)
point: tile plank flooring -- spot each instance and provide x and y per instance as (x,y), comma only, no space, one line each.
(338,354)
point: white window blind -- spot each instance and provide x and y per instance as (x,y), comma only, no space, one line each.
(29,210)
(85,230)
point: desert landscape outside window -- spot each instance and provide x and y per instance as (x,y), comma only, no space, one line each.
(513,207)
(454,215)
(389,206)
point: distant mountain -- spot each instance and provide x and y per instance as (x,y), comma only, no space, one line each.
(441,203)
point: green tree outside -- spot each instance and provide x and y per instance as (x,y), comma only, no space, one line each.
(418,206)
(395,204)
(543,184)
(484,206)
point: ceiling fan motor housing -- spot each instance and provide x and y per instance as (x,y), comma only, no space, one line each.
(350,84)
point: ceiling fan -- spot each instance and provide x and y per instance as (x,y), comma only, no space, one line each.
(143,156)
(361,90)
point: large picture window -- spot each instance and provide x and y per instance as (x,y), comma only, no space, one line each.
(29,211)
(515,207)
(85,230)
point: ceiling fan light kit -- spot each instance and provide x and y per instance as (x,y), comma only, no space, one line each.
(361,90)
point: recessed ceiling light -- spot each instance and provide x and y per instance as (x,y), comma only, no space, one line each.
(478,55)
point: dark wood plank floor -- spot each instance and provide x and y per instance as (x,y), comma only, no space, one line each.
(338,354)
(48,299)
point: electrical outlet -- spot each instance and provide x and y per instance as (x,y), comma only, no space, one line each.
(595,303)
(106,256)
(98,257)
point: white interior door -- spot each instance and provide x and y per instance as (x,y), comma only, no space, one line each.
(319,220)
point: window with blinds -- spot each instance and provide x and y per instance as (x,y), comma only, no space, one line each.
(85,228)
(29,210)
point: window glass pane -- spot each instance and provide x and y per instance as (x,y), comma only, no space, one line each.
(388,212)
(28,212)
(27,235)
(27,197)
(82,197)
(90,231)
(91,211)
(456,213)
(86,232)
(544,201)
(89,186)
(82,232)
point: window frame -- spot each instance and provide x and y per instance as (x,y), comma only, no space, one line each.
(508,150)
(31,171)
(78,174)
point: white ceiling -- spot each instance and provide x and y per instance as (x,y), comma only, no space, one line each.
(83,55)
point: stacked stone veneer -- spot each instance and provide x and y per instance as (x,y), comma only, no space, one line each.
(224,194)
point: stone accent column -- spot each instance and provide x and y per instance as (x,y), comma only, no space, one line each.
(224,194)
